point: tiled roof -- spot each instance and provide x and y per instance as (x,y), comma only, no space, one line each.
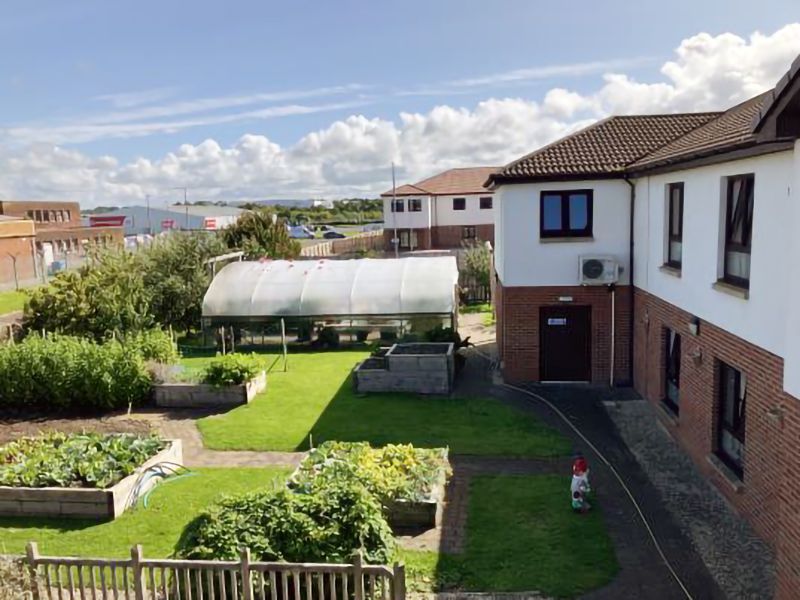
(606,147)
(732,128)
(469,180)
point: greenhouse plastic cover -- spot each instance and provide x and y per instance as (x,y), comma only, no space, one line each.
(282,288)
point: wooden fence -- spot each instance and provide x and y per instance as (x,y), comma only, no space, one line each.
(364,242)
(137,578)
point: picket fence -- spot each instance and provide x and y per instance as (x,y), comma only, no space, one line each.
(138,578)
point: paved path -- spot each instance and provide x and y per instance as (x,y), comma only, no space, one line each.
(180,424)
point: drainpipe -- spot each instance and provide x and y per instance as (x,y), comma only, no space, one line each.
(631,309)
(613,289)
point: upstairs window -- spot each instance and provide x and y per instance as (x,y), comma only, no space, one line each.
(414,205)
(731,417)
(459,203)
(398,206)
(675,225)
(565,214)
(738,230)
(486,203)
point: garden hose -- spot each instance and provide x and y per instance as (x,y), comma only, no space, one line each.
(165,470)
(605,461)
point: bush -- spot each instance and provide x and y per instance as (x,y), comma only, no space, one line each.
(328,338)
(153,345)
(62,372)
(233,369)
(76,460)
(443,335)
(279,525)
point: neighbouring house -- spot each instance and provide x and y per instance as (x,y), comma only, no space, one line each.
(59,235)
(662,251)
(440,212)
(141,220)
(17,249)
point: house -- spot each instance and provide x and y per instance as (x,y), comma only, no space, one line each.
(17,249)
(440,212)
(139,220)
(58,234)
(662,251)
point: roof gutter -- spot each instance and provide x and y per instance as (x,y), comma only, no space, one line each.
(631,295)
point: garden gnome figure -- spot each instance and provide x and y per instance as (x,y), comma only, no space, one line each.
(580,484)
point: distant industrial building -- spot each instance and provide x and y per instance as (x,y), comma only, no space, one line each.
(141,220)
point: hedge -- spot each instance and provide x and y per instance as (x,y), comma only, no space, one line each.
(66,372)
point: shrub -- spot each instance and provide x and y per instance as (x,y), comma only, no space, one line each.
(62,372)
(233,369)
(328,338)
(393,472)
(77,460)
(153,345)
(443,334)
(285,526)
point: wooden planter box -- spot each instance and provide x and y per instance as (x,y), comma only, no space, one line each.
(405,515)
(85,503)
(420,368)
(203,395)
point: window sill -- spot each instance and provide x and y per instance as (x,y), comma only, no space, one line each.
(737,485)
(670,270)
(565,240)
(730,289)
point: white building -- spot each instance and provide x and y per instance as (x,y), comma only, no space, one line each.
(663,251)
(139,220)
(440,212)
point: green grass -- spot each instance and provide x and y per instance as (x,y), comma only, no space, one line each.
(171,507)
(12,301)
(521,535)
(316,397)
(469,309)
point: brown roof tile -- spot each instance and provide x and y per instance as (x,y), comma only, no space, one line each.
(606,147)
(468,180)
(732,128)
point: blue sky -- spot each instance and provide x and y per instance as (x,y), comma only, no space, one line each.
(74,72)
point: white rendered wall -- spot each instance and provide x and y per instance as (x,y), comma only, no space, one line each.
(760,319)
(791,362)
(407,220)
(522,259)
(471,215)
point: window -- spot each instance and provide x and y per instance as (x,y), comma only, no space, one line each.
(468,232)
(68,215)
(674,224)
(414,205)
(565,214)
(459,203)
(738,230)
(731,417)
(672,369)
(486,203)
(408,239)
(398,206)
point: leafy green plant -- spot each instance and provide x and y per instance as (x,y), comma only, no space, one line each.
(393,472)
(261,233)
(326,526)
(63,372)
(233,369)
(153,345)
(76,460)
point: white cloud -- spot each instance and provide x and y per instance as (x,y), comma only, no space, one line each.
(137,98)
(352,156)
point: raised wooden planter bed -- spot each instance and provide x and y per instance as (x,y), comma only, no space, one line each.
(86,503)
(203,395)
(420,515)
(421,368)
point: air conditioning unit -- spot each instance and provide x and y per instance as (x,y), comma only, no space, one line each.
(598,270)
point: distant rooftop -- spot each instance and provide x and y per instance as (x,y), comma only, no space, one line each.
(468,180)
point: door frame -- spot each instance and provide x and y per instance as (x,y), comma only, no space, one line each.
(587,309)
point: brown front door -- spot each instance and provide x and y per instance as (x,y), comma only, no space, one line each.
(564,349)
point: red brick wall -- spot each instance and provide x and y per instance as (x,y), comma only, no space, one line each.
(518,328)
(22,250)
(769,497)
(451,236)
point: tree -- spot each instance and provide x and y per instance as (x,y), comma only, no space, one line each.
(177,276)
(107,296)
(478,263)
(259,233)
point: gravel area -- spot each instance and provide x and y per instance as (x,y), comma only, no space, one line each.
(740,562)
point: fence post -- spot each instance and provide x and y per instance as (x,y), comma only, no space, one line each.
(136,560)
(32,553)
(247,587)
(358,576)
(399,582)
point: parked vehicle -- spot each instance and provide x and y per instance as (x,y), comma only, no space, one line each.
(300,232)
(333,235)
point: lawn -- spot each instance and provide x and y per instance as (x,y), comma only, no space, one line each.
(470,309)
(12,301)
(521,536)
(172,505)
(315,397)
